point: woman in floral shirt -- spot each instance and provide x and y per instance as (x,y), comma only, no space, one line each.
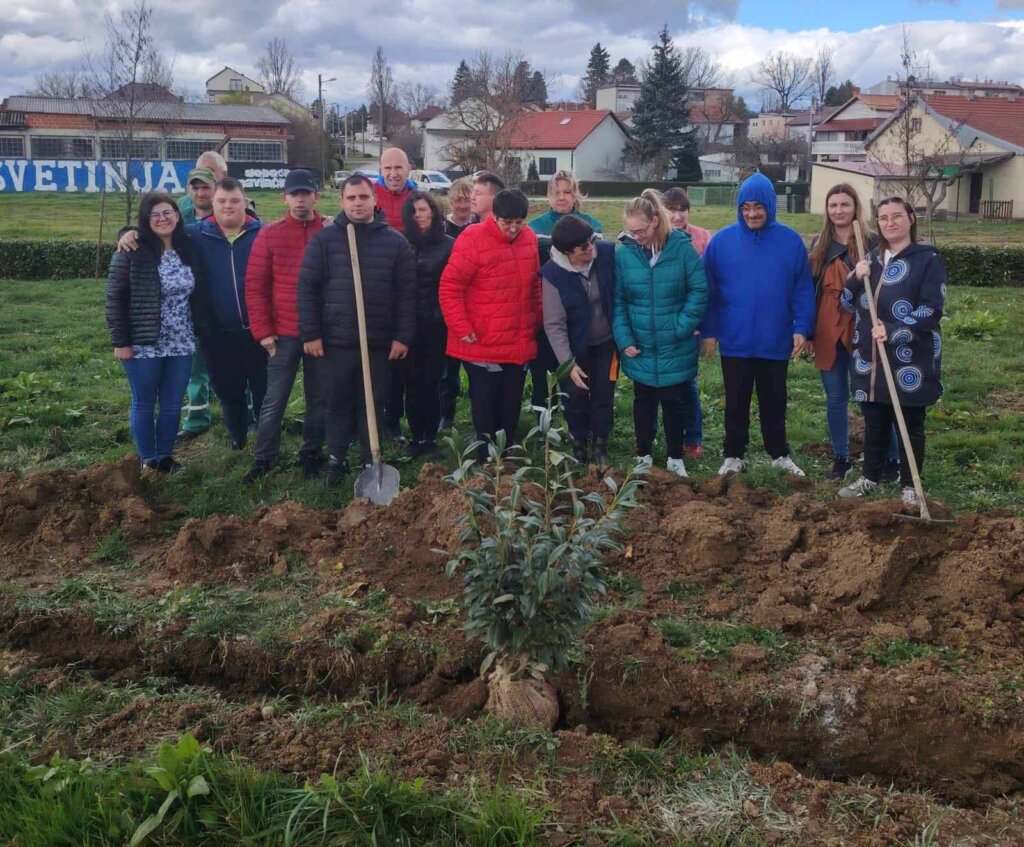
(154,307)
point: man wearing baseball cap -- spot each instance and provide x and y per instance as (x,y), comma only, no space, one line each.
(271,295)
(200,190)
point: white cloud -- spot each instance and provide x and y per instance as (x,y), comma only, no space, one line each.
(424,39)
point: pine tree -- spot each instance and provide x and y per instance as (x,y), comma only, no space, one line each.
(598,74)
(624,73)
(536,92)
(462,83)
(661,117)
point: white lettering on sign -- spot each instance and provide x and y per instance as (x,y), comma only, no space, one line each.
(16,169)
(44,175)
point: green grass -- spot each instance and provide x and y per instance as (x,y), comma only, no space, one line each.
(698,639)
(77,216)
(64,401)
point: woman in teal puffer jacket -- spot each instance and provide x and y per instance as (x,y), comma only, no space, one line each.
(660,298)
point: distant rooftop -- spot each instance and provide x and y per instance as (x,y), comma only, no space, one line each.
(151,111)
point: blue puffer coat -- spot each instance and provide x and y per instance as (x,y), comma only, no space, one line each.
(658,306)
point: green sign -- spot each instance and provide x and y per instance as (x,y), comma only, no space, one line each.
(951,171)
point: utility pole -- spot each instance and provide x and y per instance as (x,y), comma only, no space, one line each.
(323,124)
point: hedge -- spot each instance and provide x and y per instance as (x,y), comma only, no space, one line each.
(23,258)
(28,259)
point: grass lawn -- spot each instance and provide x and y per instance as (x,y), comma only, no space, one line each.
(64,401)
(77,216)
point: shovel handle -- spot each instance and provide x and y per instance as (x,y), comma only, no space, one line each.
(364,350)
(901,424)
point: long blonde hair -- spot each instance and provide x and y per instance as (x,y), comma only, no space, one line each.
(649,206)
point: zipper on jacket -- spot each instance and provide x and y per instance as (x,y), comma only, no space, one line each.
(234,286)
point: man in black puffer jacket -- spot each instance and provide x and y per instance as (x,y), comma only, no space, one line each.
(327,314)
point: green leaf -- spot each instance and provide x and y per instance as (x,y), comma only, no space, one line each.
(188,747)
(162,776)
(504,598)
(197,786)
(487,662)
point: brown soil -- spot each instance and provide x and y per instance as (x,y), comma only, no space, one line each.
(830,578)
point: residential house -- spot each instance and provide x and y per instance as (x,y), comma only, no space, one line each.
(956,87)
(769,126)
(713,112)
(841,135)
(977,148)
(589,142)
(719,167)
(618,98)
(424,116)
(229,81)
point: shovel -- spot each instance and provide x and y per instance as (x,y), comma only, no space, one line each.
(378,482)
(925,516)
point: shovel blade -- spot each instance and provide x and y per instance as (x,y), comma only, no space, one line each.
(379,483)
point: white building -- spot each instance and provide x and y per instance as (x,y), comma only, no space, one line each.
(589,142)
(229,81)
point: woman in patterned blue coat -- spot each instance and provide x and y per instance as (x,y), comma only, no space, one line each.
(155,307)
(908,280)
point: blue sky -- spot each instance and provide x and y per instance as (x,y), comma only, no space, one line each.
(859,14)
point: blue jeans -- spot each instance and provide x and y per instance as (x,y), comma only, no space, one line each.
(163,378)
(693,426)
(836,383)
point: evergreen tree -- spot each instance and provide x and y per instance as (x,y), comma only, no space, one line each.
(462,83)
(624,73)
(521,81)
(536,93)
(598,74)
(662,133)
(837,95)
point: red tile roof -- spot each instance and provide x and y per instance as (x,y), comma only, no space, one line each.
(427,113)
(554,130)
(998,116)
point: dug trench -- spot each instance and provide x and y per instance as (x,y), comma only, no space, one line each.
(820,633)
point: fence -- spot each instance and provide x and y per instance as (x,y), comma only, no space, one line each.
(999,210)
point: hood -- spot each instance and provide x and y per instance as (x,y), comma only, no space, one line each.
(756,189)
(409,185)
(560,259)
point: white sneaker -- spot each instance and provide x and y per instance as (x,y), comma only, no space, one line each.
(785,463)
(858,489)
(677,467)
(731,465)
(909,497)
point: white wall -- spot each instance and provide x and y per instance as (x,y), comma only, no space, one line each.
(601,151)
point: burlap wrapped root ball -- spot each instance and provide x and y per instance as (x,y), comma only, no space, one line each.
(527,702)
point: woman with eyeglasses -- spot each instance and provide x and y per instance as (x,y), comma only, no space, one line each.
(661,296)
(578,288)
(908,280)
(155,306)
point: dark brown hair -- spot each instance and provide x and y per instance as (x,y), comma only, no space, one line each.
(229,183)
(412,229)
(676,200)
(828,231)
(909,209)
(149,239)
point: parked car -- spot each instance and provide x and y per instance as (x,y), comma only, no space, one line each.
(431,181)
(338,177)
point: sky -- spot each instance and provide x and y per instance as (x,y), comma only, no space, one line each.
(425,39)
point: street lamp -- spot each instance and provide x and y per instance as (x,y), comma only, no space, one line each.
(323,124)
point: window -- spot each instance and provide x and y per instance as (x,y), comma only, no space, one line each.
(183,150)
(547,165)
(713,172)
(915,124)
(62,147)
(255,151)
(235,85)
(142,148)
(12,145)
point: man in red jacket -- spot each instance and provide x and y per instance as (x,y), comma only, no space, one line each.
(271,295)
(490,299)
(393,187)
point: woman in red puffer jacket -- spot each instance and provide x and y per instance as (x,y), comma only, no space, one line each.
(490,299)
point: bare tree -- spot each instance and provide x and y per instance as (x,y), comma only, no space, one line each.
(70,84)
(414,97)
(117,76)
(700,68)
(824,71)
(784,80)
(381,89)
(481,126)
(279,72)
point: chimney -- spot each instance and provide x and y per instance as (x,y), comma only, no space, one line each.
(856,93)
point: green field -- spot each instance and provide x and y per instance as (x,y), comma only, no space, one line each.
(64,403)
(77,216)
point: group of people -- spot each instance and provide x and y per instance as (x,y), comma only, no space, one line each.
(206,286)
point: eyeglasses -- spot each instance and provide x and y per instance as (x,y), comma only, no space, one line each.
(166,214)
(633,233)
(893,219)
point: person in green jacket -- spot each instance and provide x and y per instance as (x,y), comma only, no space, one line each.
(565,198)
(661,296)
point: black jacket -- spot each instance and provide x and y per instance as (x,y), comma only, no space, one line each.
(327,302)
(431,257)
(133,298)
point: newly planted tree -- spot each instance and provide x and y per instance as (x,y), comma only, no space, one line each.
(532,548)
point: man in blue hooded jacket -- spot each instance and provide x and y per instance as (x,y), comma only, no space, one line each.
(760,313)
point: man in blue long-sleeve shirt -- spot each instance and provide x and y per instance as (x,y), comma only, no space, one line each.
(760,314)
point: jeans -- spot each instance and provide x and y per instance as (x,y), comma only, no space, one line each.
(236,363)
(450,388)
(675,409)
(879,420)
(693,426)
(346,401)
(164,379)
(836,383)
(197,413)
(589,413)
(281,370)
(740,377)
(422,374)
(496,399)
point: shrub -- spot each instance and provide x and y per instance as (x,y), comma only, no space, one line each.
(983,266)
(24,258)
(979,324)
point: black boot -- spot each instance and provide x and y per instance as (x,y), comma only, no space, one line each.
(336,469)
(600,456)
(580,451)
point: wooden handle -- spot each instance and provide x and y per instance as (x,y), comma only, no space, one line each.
(901,424)
(364,350)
